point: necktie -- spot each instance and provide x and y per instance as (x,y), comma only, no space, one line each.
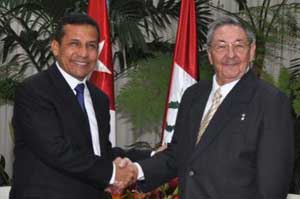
(216,101)
(92,136)
(79,95)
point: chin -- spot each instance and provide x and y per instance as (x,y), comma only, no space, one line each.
(232,77)
(232,73)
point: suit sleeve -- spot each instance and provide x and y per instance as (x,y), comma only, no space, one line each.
(158,169)
(39,128)
(275,149)
(163,167)
(133,154)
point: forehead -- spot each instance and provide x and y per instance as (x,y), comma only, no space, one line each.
(229,33)
(80,31)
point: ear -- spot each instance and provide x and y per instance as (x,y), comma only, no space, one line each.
(210,56)
(55,47)
(252,51)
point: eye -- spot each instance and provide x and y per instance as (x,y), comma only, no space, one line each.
(220,47)
(74,43)
(92,46)
(240,47)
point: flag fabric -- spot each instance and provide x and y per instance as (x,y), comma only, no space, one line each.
(184,72)
(103,76)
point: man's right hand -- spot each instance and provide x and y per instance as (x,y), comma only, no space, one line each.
(126,173)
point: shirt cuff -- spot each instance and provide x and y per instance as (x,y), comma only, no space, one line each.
(140,171)
(112,179)
(152,153)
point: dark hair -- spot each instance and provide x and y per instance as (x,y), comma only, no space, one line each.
(74,19)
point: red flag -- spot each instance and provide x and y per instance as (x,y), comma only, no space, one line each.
(184,71)
(103,76)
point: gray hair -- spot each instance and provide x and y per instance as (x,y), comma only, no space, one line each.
(229,20)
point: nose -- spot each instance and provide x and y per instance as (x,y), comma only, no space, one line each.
(83,51)
(230,51)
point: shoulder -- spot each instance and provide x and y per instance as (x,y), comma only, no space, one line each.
(195,93)
(269,91)
(269,98)
(45,84)
(35,89)
(36,82)
(96,91)
(198,88)
(36,79)
(260,87)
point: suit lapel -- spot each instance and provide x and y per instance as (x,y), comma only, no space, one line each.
(68,99)
(197,110)
(234,103)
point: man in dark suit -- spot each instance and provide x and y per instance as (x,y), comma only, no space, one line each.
(61,123)
(233,137)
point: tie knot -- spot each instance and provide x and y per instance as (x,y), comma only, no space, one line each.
(79,88)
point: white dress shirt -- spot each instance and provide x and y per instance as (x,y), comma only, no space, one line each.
(73,82)
(224,89)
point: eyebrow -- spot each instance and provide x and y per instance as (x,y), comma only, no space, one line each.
(238,40)
(78,40)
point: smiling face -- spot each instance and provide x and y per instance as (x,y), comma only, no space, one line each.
(77,52)
(230,53)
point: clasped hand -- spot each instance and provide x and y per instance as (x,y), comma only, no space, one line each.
(125,175)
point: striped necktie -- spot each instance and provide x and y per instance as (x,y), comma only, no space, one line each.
(216,101)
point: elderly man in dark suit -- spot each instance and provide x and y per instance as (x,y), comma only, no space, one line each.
(234,135)
(61,123)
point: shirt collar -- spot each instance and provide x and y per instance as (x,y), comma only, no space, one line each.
(225,89)
(72,81)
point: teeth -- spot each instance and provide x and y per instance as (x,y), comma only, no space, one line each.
(80,63)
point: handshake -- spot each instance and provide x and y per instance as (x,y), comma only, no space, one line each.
(126,174)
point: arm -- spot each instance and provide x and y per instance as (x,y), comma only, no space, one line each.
(157,170)
(132,154)
(164,166)
(275,149)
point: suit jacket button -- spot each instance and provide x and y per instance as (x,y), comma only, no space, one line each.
(191,173)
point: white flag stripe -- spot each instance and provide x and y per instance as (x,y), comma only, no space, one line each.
(181,80)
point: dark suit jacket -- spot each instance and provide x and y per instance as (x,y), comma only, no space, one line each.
(250,158)
(295,186)
(54,157)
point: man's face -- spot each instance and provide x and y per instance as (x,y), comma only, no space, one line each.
(77,52)
(230,53)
